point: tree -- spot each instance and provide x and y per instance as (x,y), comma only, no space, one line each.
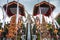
(58,20)
(0,25)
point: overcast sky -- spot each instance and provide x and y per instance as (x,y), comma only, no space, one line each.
(29,5)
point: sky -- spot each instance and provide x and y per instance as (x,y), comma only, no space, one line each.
(29,5)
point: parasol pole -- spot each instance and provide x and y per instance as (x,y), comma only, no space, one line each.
(4,15)
(40,19)
(40,16)
(17,16)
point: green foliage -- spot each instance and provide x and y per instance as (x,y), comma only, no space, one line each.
(0,25)
(58,20)
(34,29)
(6,25)
(38,36)
(24,29)
(49,25)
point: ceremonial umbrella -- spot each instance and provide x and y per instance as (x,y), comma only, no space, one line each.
(45,7)
(12,8)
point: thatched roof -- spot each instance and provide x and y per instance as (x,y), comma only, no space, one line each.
(43,4)
(12,8)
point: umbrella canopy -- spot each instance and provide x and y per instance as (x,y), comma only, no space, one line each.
(45,7)
(12,8)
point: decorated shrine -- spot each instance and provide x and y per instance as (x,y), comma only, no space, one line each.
(23,26)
